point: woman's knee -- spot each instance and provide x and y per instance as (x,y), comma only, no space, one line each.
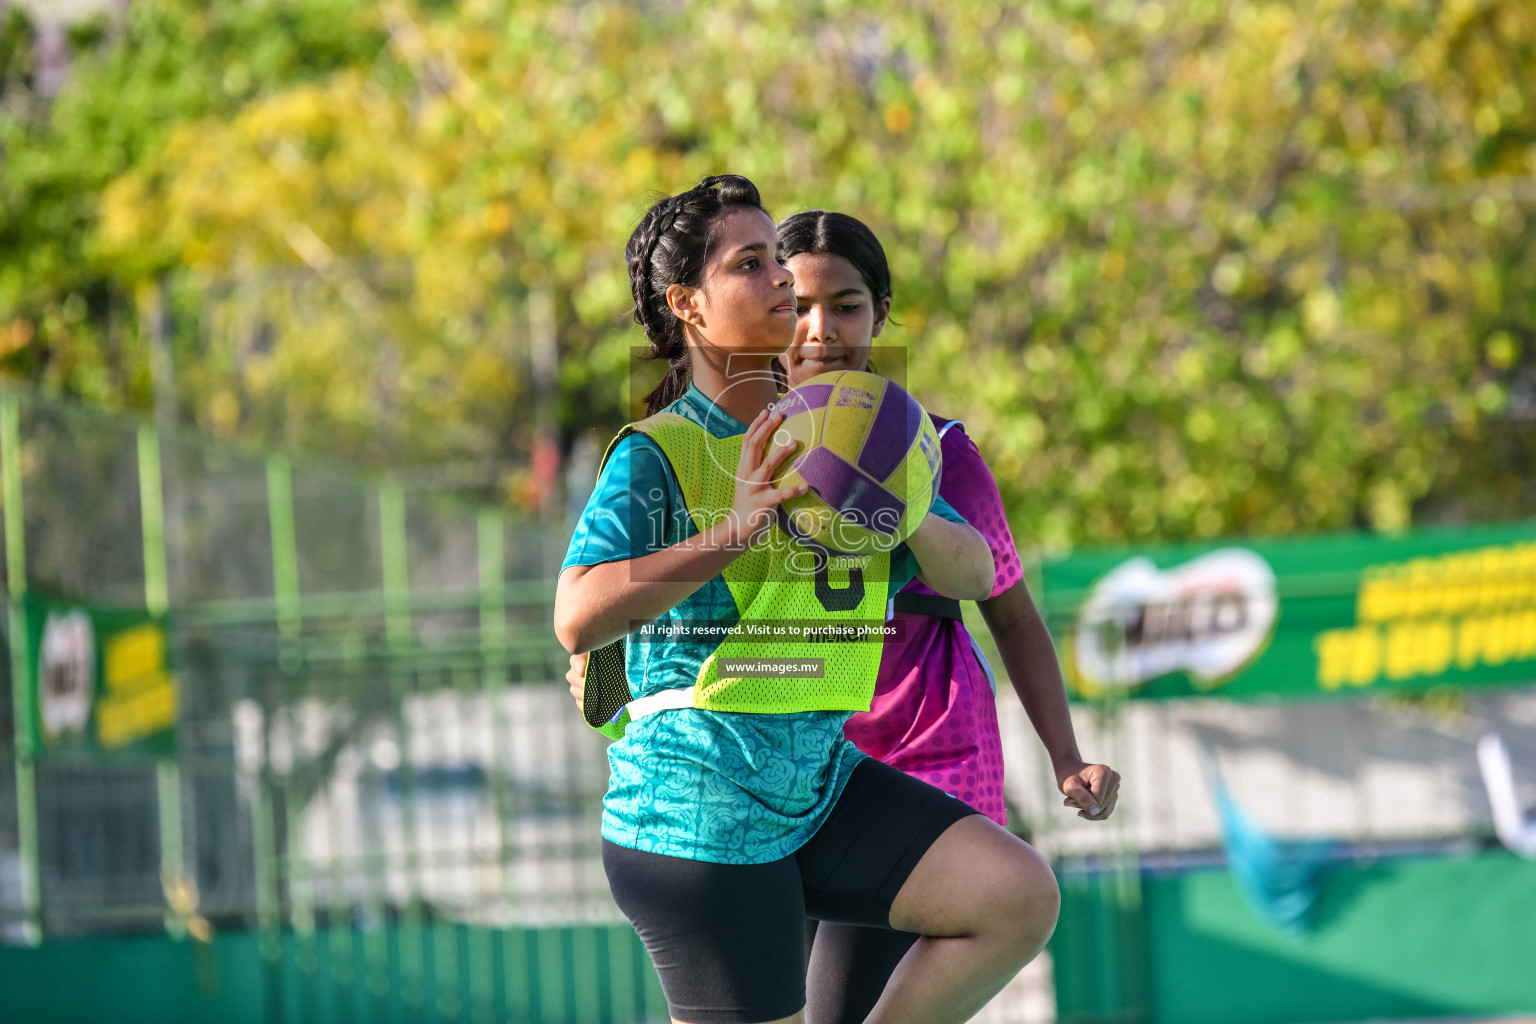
(1031,904)
(1021,901)
(978,879)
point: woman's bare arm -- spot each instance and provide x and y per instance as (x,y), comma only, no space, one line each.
(952,558)
(1029,657)
(597,604)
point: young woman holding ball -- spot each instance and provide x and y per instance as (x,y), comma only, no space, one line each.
(934,713)
(722,831)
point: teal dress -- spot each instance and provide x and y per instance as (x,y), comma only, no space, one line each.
(705,785)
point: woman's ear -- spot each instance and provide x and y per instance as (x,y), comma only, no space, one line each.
(882,310)
(682,301)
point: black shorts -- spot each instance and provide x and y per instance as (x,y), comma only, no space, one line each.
(847,967)
(728,940)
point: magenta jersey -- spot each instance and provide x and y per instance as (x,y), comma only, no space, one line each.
(934,714)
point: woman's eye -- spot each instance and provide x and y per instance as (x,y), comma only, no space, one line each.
(801,310)
(848,309)
(751,264)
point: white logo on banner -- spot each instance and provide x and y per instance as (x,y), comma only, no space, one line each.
(67,670)
(1208,617)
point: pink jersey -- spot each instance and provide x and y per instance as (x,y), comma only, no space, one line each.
(934,714)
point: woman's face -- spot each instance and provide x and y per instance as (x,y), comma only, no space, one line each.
(746,301)
(838,318)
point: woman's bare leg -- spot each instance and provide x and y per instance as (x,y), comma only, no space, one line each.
(985,903)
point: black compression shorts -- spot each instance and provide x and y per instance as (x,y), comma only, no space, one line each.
(728,940)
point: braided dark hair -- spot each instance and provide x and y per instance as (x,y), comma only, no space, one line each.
(821,232)
(672,246)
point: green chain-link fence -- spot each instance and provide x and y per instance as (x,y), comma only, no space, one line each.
(371,775)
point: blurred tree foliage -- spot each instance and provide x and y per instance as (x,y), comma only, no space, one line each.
(1183,269)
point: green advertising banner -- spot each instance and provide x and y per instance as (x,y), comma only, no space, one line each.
(1298,618)
(101,680)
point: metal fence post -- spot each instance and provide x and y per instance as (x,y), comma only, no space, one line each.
(21,670)
(490,548)
(285,585)
(157,602)
(412,937)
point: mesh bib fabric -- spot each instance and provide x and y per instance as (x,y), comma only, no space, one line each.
(781,588)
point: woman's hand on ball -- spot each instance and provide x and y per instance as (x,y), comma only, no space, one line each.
(756,496)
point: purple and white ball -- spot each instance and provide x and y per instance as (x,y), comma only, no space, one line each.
(870,455)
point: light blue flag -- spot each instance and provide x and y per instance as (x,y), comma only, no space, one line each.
(1281,879)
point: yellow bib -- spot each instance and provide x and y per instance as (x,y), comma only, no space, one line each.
(795,605)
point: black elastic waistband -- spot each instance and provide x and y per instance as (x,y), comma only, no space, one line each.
(927,604)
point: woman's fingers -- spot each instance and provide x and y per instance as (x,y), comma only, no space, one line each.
(576,676)
(783,494)
(755,428)
(1093,789)
(1106,808)
(1078,794)
(759,429)
(1109,795)
(761,458)
(774,458)
(752,442)
(1108,785)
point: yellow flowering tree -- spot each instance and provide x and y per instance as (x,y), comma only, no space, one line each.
(1182,269)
